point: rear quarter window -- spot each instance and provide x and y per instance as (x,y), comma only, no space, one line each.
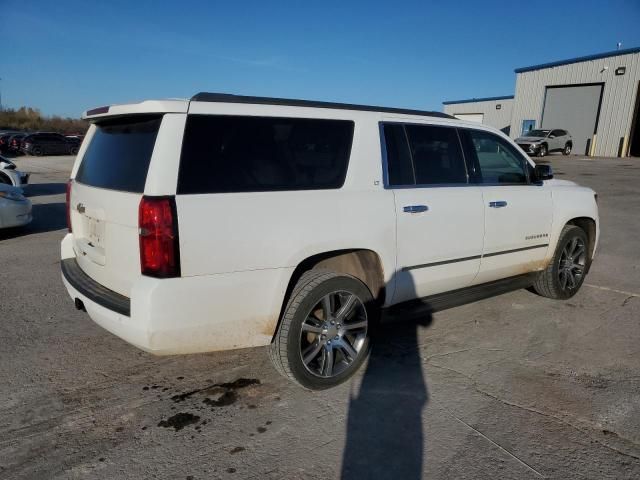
(224,154)
(119,154)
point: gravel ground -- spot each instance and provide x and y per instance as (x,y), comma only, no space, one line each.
(512,387)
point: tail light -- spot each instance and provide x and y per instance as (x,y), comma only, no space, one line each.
(68,204)
(158,229)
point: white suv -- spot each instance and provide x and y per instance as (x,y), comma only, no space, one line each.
(226,222)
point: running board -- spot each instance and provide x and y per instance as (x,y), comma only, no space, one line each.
(413,309)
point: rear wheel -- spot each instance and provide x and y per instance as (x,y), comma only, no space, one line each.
(73,151)
(567,149)
(543,150)
(324,334)
(5,179)
(565,274)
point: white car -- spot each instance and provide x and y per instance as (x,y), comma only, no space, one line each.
(226,222)
(15,209)
(9,175)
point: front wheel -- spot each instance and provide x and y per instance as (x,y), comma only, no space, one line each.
(567,149)
(37,151)
(543,151)
(323,337)
(565,274)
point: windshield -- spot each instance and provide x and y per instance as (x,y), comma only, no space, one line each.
(537,133)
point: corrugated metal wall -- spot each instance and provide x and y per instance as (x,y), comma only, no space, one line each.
(499,119)
(618,99)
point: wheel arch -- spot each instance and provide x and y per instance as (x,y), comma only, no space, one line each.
(361,263)
(7,177)
(587,224)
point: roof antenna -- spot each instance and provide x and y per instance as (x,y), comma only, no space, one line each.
(619,46)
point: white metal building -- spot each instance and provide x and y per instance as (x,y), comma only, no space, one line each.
(494,111)
(596,98)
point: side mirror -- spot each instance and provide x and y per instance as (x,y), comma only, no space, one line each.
(543,172)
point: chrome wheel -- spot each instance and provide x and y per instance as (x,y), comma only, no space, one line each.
(333,334)
(572,264)
(567,149)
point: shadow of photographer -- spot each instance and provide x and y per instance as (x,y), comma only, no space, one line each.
(384,434)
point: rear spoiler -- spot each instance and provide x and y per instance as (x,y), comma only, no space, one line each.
(148,106)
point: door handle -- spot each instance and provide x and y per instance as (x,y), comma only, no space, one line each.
(498,204)
(415,208)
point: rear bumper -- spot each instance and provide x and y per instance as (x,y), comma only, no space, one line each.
(184,315)
(92,290)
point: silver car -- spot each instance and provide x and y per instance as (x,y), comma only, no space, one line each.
(10,175)
(541,142)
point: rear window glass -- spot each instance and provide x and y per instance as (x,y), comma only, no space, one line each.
(119,154)
(222,154)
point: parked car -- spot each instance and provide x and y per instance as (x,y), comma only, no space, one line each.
(227,222)
(9,175)
(5,137)
(15,209)
(15,142)
(541,142)
(45,143)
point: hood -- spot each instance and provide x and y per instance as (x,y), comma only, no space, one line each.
(558,182)
(529,139)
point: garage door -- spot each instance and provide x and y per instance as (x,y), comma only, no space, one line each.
(470,117)
(574,109)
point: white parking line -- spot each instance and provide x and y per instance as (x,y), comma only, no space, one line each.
(621,292)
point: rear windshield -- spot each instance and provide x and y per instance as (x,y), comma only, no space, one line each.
(119,154)
(222,154)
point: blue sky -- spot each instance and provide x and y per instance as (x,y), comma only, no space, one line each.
(66,56)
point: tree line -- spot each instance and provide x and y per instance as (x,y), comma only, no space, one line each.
(30,119)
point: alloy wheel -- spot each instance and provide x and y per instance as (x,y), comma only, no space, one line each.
(333,334)
(572,264)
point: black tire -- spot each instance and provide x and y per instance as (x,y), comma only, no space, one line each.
(286,349)
(4,179)
(73,150)
(37,151)
(567,149)
(549,282)
(543,150)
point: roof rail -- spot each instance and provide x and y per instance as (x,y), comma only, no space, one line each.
(230,98)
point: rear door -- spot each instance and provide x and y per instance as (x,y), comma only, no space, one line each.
(439,215)
(517,211)
(105,196)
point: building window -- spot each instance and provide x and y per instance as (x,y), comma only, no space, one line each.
(527,126)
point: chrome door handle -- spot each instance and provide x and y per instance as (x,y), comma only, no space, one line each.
(498,204)
(415,208)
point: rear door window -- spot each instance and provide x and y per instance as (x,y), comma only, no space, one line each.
(224,154)
(119,154)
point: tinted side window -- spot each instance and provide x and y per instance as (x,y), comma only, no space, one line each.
(119,154)
(399,166)
(498,161)
(222,154)
(437,156)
